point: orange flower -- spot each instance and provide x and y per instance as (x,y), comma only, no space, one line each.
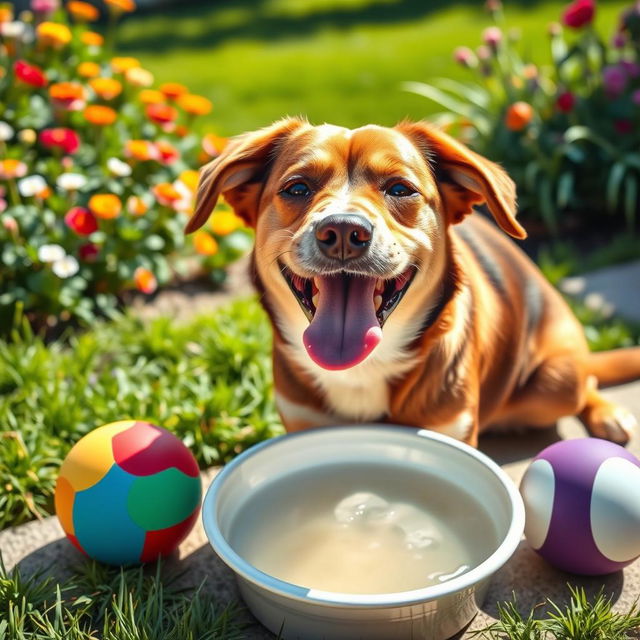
(121,5)
(173,90)
(205,244)
(88,69)
(53,34)
(105,205)
(151,96)
(140,150)
(195,105)
(166,194)
(100,115)
(145,280)
(224,222)
(120,65)
(10,169)
(518,116)
(190,179)
(83,11)
(214,144)
(6,13)
(136,206)
(139,77)
(106,88)
(69,95)
(161,113)
(92,39)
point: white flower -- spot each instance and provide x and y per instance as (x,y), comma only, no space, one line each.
(50,253)
(6,131)
(118,168)
(15,29)
(185,203)
(65,267)
(71,181)
(31,186)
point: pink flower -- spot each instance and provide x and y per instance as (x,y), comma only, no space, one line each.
(566,101)
(619,40)
(579,14)
(61,137)
(614,80)
(492,37)
(465,57)
(44,6)
(635,97)
(632,69)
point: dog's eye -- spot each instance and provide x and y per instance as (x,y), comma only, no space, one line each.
(400,190)
(299,189)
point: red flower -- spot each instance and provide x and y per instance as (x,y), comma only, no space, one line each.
(66,139)
(566,101)
(81,220)
(168,153)
(623,126)
(162,113)
(88,252)
(579,13)
(29,74)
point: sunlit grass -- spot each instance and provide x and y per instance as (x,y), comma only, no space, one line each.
(340,62)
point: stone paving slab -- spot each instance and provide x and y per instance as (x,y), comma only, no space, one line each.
(41,544)
(614,289)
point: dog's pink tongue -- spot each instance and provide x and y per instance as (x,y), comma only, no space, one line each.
(344,330)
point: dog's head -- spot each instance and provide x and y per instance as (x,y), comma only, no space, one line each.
(349,221)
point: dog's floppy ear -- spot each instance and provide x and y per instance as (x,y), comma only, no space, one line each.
(465,178)
(238,172)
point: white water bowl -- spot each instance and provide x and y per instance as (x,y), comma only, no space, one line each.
(434,612)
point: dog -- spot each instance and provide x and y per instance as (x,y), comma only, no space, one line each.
(390,300)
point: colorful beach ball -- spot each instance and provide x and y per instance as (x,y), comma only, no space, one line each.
(582,503)
(128,492)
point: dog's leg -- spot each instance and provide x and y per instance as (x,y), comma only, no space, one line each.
(604,419)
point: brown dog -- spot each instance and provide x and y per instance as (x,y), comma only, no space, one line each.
(388,302)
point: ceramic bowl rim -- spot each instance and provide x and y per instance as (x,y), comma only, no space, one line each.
(484,570)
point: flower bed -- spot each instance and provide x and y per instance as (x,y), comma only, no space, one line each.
(97,170)
(567,132)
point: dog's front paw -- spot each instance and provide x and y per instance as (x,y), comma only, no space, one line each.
(610,422)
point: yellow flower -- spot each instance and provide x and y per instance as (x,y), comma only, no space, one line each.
(121,5)
(190,179)
(12,168)
(121,64)
(139,77)
(92,39)
(88,69)
(100,115)
(105,205)
(173,90)
(106,88)
(83,11)
(196,105)
(213,144)
(205,244)
(53,34)
(224,222)
(151,96)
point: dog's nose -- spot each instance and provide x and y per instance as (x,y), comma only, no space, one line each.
(344,236)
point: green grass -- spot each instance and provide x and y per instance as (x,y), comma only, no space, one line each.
(579,619)
(339,61)
(111,604)
(208,382)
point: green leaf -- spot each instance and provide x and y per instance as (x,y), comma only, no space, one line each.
(630,200)
(440,97)
(616,176)
(565,190)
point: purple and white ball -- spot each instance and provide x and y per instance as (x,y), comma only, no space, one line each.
(582,503)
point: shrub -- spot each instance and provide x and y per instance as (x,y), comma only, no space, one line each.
(97,170)
(569,132)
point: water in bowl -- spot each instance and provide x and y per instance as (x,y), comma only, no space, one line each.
(362,528)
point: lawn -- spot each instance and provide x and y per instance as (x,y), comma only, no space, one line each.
(339,61)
